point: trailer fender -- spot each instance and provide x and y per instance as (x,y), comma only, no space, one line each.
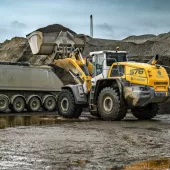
(28,99)
(17,95)
(78,92)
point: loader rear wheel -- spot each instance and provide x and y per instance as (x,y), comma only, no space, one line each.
(109,105)
(18,105)
(34,104)
(49,103)
(147,112)
(66,105)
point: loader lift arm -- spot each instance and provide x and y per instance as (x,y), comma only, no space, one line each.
(65,51)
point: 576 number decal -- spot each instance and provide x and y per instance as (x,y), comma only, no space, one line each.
(136,71)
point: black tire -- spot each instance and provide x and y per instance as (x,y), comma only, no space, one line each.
(164,108)
(78,112)
(11,108)
(66,105)
(50,103)
(4,103)
(109,106)
(18,105)
(122,111)
(147,112)
(96,114)
(34,104)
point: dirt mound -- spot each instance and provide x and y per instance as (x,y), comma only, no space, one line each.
(139,39)
(12,50)
(55,28)
(163,37)
(17,49)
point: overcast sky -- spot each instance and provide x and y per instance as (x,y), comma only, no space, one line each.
(113,19)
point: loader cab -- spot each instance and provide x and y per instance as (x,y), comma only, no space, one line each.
(102,60)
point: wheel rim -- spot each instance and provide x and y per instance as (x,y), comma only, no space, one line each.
(35,104)
(65,104)
(3,104)
(19,105)
(108,104)
(50,103)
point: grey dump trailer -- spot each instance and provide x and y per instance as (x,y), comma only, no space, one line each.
(23,86)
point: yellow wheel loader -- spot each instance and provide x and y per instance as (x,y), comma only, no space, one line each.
(106,82)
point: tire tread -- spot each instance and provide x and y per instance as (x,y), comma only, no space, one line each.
(121,111)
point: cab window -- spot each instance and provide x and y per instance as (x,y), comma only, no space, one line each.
(117,70)
(98,62)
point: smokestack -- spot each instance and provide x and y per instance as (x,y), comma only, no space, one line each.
(91,26)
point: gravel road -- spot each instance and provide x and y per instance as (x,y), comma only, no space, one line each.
(88,143)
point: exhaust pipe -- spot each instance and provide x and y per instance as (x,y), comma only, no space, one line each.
(154,60)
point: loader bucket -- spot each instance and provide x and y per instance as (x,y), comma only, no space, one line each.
(56,43)
(47,43)
(65,77)
(69,65)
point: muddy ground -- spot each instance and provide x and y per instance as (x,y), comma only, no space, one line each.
(88,144)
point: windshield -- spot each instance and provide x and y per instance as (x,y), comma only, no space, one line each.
(113,57)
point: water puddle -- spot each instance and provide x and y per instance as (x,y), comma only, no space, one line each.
(12,120)
(157,164)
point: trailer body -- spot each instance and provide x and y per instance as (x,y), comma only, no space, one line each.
(23,86)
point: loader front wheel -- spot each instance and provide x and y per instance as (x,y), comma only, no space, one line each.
(109,105)
(66,105)
(147,112)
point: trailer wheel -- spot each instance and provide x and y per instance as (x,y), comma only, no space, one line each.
(50,103)
(147,112)
(66,105)
(34,104)
(4,103)
(18,105)
(109,105)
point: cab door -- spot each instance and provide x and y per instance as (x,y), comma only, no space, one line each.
(117,71)
(136,75)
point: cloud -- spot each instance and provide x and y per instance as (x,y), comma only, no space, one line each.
(113,19)
(12,29)
(105,27)
(17,24)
